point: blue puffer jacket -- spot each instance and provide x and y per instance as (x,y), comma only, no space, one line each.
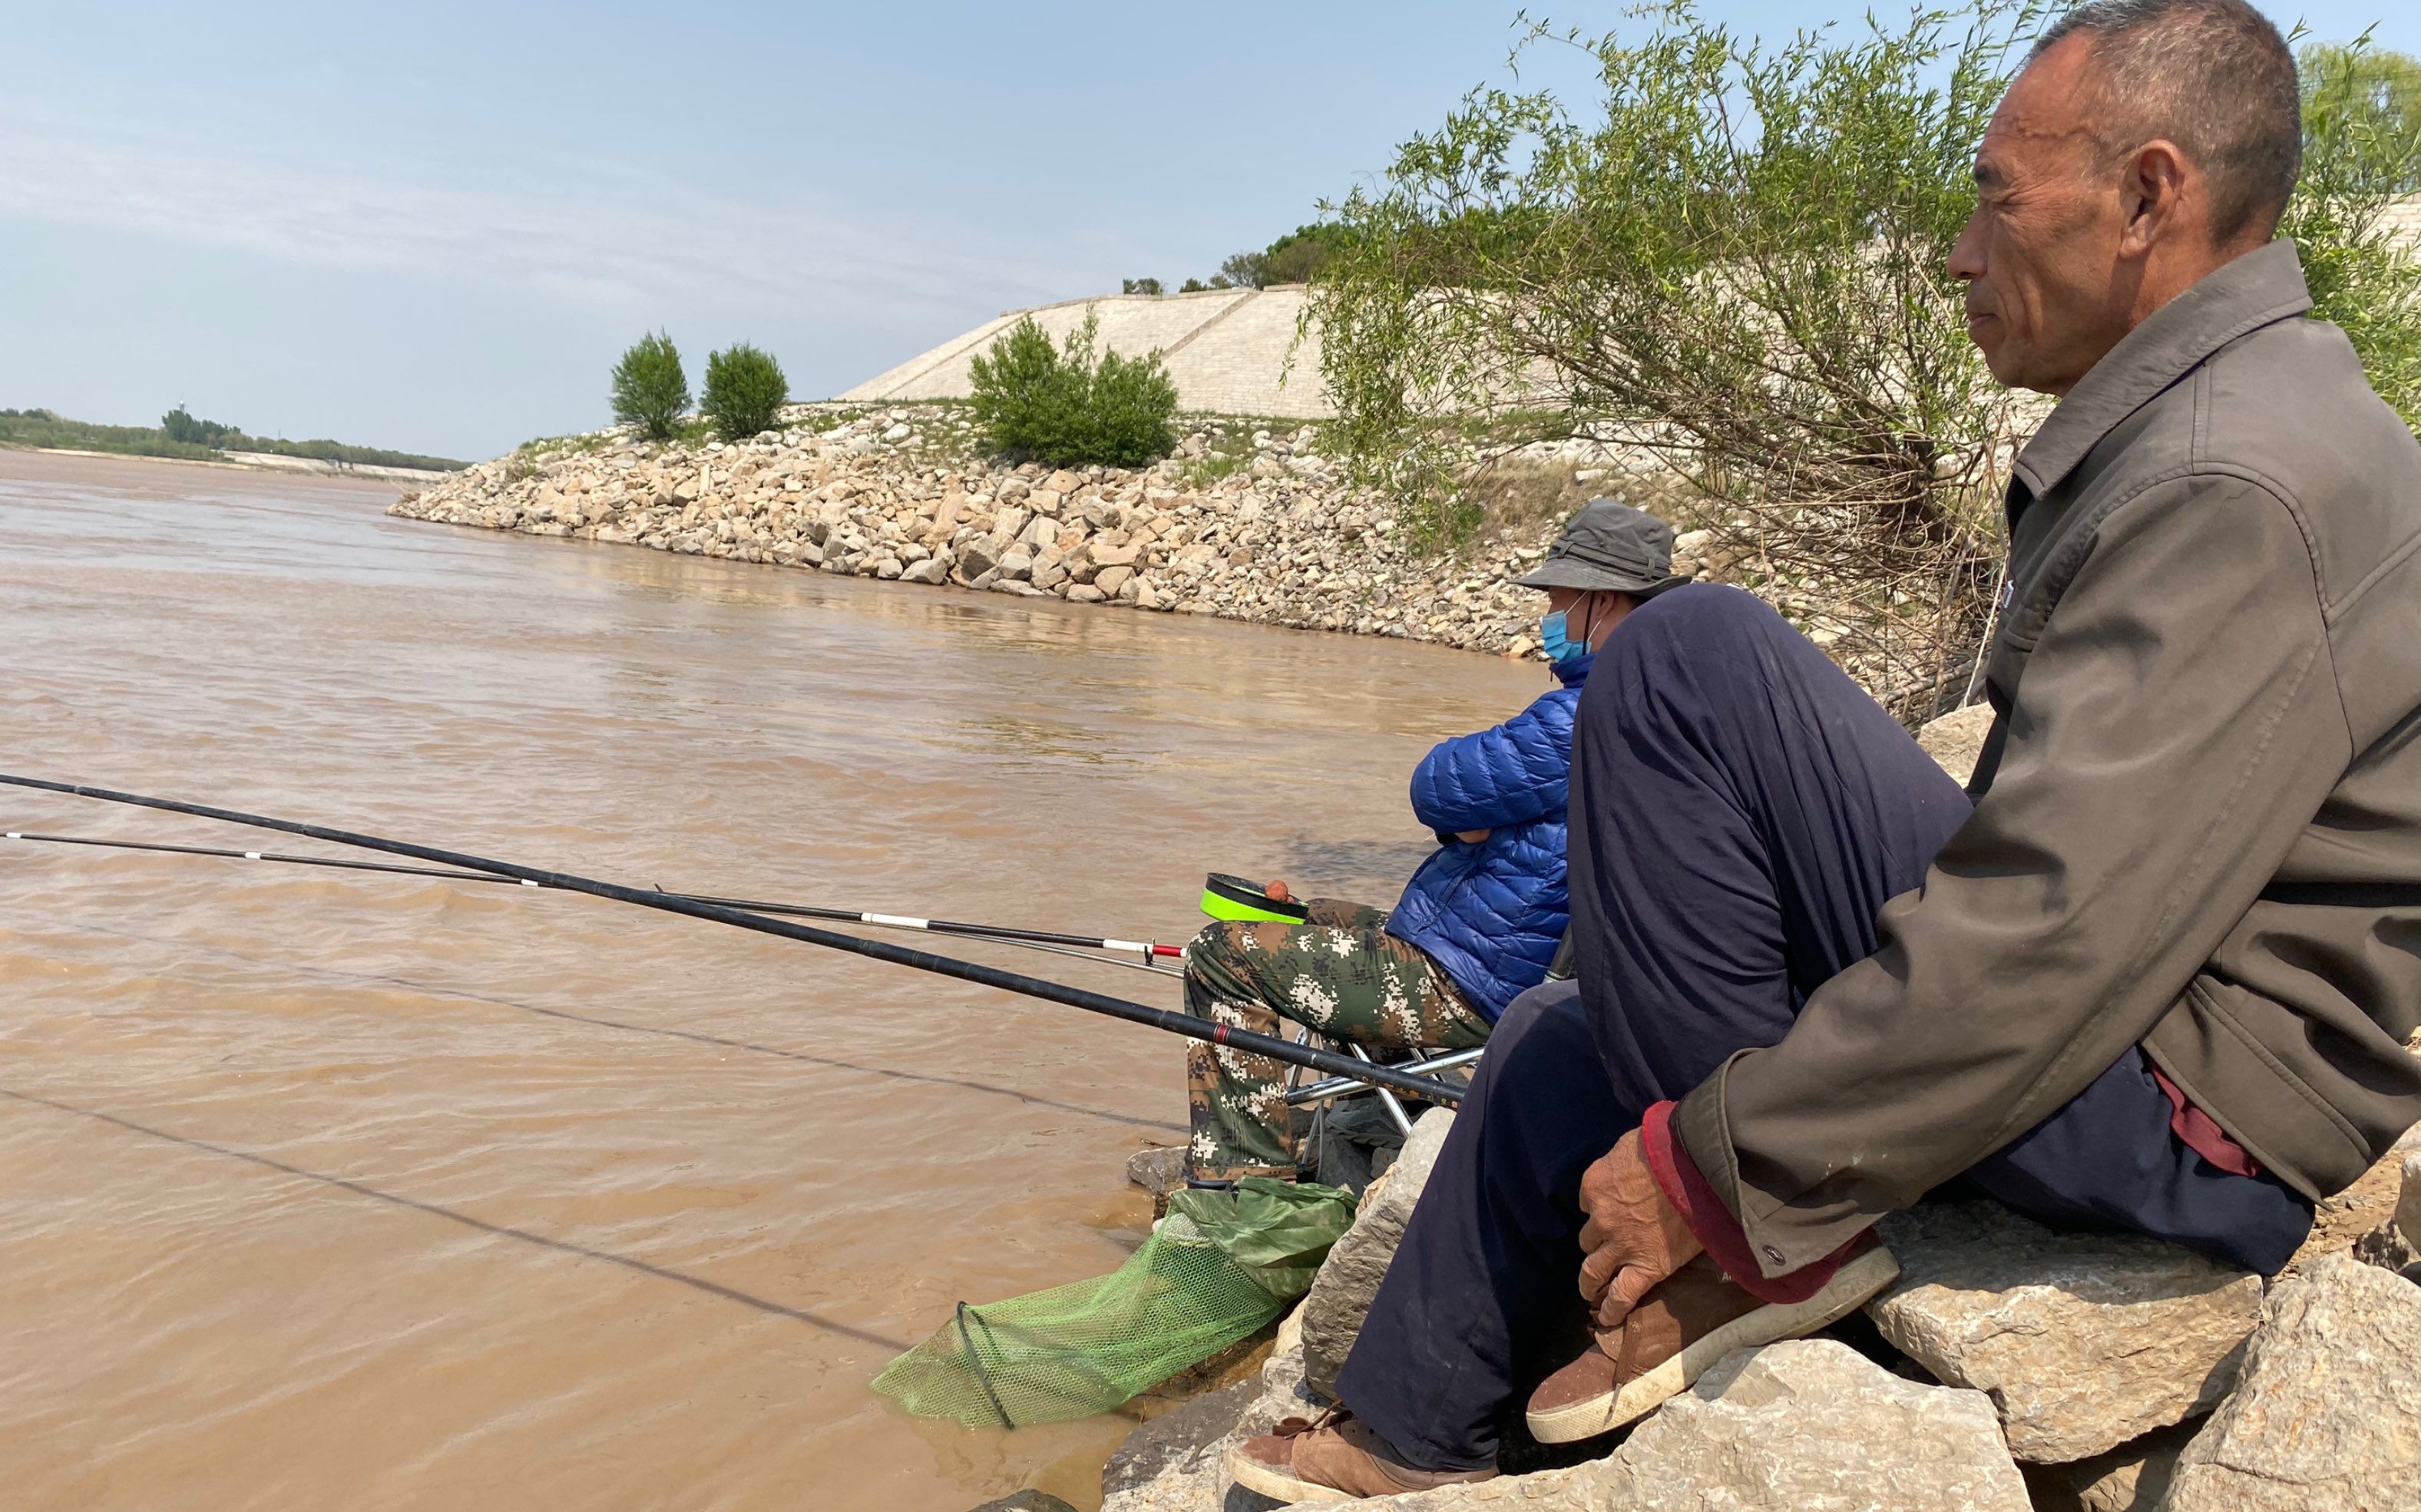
(1492,914)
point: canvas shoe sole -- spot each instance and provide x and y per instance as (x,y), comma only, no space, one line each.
(1857,1282)
(1278,1484)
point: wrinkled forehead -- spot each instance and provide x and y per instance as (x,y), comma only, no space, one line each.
(2047,115)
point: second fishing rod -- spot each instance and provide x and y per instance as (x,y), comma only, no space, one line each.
(1165,1020)
(1111,952)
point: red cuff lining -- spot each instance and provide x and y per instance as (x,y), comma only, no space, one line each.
(1726,1243)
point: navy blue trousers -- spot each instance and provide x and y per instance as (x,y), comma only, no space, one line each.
(1741,811)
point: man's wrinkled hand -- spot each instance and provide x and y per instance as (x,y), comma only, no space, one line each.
(1634,1239)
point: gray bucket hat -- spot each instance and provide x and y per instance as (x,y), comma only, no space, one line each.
(1609,546)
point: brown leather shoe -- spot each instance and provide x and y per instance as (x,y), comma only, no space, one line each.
(1676,1334)
(1319,1460)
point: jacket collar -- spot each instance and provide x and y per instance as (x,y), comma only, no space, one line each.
(2258,288)
(1573,673)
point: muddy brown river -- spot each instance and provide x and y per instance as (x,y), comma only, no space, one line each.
(329,1191)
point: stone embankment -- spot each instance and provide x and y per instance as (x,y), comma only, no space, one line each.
(1244,523)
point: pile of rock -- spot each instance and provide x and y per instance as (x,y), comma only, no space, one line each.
(1243,523)
(2017,1369)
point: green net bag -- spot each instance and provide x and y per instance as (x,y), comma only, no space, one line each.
(1276,1232)
(1220,1266)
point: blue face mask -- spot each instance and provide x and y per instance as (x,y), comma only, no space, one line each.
(1551,639)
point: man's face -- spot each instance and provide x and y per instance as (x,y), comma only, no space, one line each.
(1590,615)
(2046,291)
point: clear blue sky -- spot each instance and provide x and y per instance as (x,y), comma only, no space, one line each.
(433,226)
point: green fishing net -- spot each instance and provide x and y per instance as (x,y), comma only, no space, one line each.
(1220,1266)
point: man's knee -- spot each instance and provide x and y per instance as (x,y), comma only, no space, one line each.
(1541,1046)
(1522,1014)
(1688,624)
(1216,950)
(1703,611)
(1713,658)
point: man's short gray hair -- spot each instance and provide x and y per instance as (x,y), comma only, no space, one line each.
(2214,77)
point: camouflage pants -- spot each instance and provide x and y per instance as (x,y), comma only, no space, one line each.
(1342,976)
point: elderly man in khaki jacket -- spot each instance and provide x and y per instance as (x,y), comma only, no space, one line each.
(2162,975)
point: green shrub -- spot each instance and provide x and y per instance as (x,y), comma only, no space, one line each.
(650,391)
(1067,406)
(2362,107)
(2362,151)
(744,391)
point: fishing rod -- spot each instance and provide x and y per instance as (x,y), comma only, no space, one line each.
(882,950)
(1149,950)
(1079,947)
(1058,944)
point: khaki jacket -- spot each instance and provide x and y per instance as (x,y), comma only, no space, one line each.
(2198,813)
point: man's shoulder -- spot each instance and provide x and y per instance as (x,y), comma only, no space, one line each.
(2287,408)
(2289,405)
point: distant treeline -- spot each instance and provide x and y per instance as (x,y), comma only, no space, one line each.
(179,434)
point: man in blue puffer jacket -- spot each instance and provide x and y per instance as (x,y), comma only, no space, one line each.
(1481,919)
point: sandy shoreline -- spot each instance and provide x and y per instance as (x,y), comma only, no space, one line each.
(147,472)
(255,462)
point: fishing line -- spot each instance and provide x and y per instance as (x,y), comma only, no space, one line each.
(1078,947)
(1165,1020)
(680,1031)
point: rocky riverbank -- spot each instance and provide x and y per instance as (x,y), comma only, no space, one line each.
(2010,1369)
(1244,523)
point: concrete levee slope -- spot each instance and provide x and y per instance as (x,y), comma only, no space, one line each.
(1226,349)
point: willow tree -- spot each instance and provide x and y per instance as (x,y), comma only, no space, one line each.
(1733,264)
(2362,164)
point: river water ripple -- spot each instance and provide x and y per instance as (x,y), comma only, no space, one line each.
(323,1190)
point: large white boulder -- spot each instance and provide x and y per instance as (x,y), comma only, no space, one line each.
(1340,1298)
(2081,1341)
(1810,1424)
(1956,741)
(2328,1412)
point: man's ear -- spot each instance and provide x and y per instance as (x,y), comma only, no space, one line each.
(2153,192)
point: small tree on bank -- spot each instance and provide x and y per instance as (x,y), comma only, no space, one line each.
(650,391)
(1067,406)
(744,391)
(179,425)
(2362,155)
